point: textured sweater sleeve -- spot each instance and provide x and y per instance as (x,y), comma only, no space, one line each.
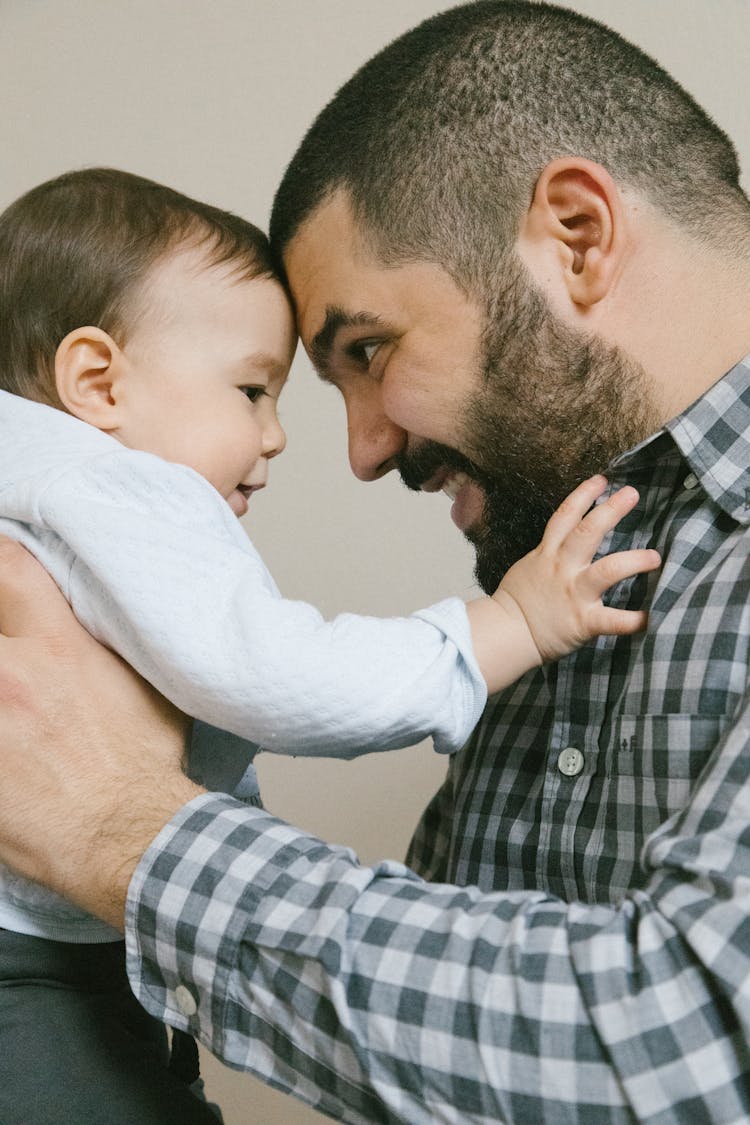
(163,574)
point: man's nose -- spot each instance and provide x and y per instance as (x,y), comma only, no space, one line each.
(374,440)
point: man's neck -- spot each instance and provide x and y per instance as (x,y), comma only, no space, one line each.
(683,312)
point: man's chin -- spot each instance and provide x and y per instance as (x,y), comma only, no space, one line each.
(485,556)
(500,538)
(488,568)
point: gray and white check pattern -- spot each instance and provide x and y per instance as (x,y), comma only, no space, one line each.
(591,960)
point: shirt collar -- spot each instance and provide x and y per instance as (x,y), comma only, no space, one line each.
(713,435)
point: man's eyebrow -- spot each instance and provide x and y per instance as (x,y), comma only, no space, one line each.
(337,318)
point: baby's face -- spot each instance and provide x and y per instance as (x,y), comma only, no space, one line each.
(206,363)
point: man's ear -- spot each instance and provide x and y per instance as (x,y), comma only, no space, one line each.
(88,371)
(576,224)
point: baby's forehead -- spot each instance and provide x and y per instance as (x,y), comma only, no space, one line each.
(191,298)
(193,259)
(189,270)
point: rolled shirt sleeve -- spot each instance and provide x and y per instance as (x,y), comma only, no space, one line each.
(377,997)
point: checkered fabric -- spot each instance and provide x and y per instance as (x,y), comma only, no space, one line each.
(591,960)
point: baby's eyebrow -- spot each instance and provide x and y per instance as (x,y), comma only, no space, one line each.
(323,341)
(266,362)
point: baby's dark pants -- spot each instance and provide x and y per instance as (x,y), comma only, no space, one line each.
(76,1047)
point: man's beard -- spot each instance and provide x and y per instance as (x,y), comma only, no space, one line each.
(554,407)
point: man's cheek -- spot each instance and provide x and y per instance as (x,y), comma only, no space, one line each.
(418,408)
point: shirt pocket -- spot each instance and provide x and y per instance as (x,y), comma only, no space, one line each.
(655,760)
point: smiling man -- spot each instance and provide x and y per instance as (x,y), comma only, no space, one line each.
(433,385)
(521,253)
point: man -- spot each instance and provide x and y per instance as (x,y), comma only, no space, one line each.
(521,253)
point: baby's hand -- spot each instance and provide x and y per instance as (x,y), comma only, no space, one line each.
(558,589)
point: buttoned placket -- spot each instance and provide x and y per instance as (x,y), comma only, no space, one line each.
(574,753)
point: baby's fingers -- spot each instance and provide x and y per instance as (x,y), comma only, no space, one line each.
(620,622)
(610,569)
(583,540)
(572,510)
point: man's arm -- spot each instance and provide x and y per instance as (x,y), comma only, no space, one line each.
(369,993)
(381,998)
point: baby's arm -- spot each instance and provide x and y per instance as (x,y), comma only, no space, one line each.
(156,566)
(549,602)
(162,572)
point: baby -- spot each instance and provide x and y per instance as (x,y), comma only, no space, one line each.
(144,342)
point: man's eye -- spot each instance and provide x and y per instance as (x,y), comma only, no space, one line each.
(253,393)
(364,351)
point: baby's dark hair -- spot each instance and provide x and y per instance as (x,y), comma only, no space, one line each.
(75,251)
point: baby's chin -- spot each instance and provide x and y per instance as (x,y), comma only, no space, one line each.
(237,502)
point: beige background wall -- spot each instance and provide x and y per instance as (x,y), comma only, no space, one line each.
(211,96)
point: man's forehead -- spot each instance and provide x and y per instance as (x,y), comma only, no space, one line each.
(330,220)
(325,257)
(338,281)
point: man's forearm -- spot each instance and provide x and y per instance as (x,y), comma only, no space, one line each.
(116,848)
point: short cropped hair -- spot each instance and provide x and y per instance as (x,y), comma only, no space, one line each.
(75,251)
(440,138)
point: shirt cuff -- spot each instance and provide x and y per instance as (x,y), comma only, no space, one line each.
(189,903)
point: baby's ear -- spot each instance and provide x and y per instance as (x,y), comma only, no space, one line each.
(87,370)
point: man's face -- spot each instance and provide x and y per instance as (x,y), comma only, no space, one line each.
(504,407)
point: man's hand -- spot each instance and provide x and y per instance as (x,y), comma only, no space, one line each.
(90,755)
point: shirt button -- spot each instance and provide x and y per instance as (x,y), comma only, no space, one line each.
(690,481)
(570,761)
(185,1000)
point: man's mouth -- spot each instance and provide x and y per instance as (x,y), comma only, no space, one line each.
(454,483)
(433,467)
(445,480)
(467,495)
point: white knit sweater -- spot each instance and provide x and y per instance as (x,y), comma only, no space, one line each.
(156,565)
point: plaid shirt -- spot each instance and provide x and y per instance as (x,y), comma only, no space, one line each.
(591,961)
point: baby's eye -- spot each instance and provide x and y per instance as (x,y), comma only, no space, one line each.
(253,393)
